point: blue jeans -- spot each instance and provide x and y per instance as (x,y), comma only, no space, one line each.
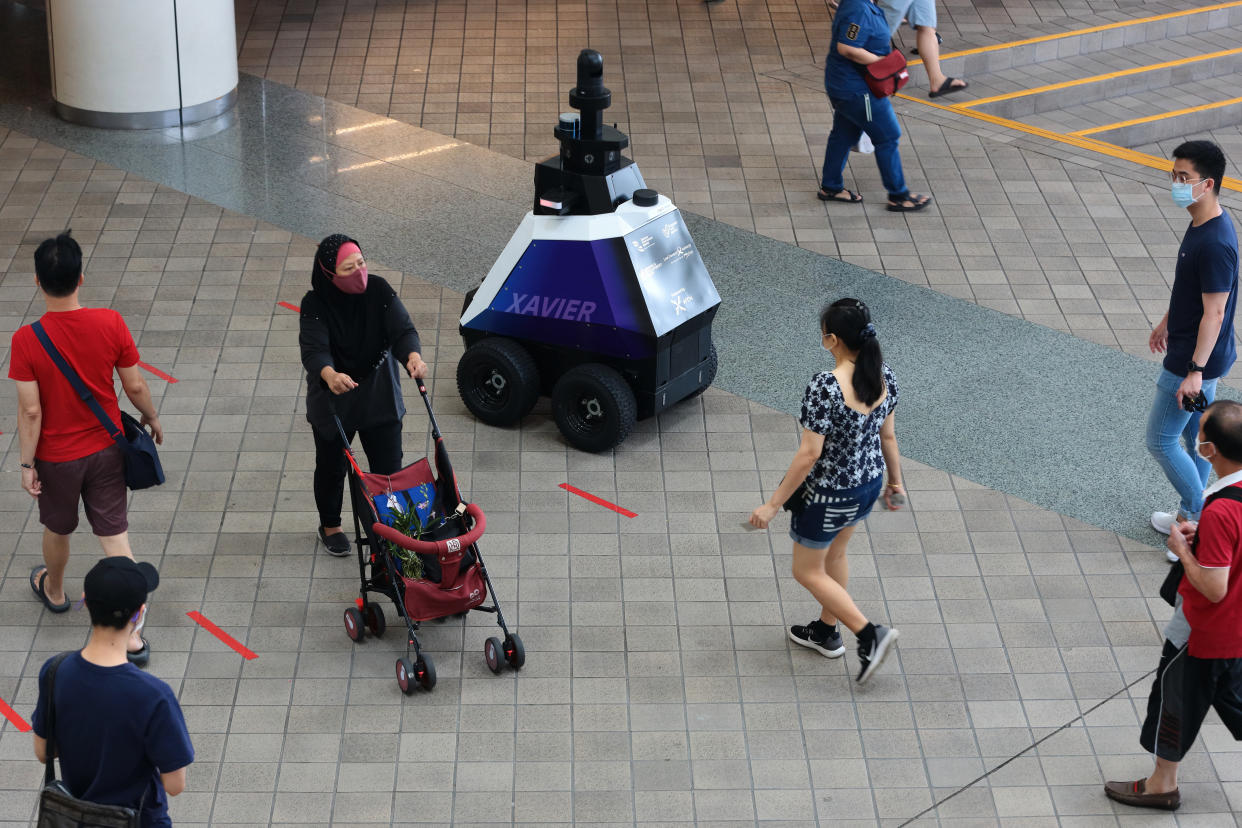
(851,117)
(1186,470)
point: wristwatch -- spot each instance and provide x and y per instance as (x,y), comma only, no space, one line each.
(1195,369)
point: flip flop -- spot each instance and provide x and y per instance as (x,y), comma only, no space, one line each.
(37,586)
(140,658)
(831,195)
(917,202)
(947,88)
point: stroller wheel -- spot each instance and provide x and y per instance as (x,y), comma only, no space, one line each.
(515,653)
(376,622)
(425,671)
(354,624)
(405,676)
(493,651)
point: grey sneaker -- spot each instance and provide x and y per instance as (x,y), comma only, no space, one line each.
(871,654)
(820,637)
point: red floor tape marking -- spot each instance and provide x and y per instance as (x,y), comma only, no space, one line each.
(598,500)
(157,372)
(221,634)
(293,308)
(18,722)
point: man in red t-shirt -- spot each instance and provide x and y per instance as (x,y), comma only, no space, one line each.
(1206,672)
(66,454)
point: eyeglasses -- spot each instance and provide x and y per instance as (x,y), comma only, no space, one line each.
(1183,178)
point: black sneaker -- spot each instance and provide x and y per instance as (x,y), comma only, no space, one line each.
(820,637)
(871,653)
(337,543)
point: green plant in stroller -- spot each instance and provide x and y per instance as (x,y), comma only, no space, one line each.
(406,522)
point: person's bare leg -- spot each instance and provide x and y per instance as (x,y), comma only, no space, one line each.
(55,558)
(114,545)
(837,567)
(1164,778)
(809,571)
(929,51)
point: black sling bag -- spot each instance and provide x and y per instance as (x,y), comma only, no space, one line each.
(1168,589)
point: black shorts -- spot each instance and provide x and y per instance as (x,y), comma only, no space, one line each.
(97,480)
(1184,690)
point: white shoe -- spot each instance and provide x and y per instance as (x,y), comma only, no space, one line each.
(1163,522)
(1171,557)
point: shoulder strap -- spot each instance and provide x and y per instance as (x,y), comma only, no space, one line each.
(78,385)
(1228,493)
(49,719)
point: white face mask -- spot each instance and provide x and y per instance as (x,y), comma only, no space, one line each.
(1199,448)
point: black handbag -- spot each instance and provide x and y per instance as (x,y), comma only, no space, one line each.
(142,462)
(57,807)
(1173,580)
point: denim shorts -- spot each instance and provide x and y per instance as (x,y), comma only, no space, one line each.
(828,511)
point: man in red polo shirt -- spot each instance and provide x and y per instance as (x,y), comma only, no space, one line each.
(66,455)
(1207,671)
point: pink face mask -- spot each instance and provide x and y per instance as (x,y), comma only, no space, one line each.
(355,282)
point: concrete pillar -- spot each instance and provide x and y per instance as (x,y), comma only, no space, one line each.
(142,64)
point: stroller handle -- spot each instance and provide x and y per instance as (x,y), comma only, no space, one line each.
(438,547)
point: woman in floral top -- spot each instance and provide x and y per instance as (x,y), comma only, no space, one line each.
(837,474)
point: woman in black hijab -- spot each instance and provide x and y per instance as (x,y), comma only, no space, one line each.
(354,332)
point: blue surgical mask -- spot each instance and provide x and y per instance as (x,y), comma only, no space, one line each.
(1183,193)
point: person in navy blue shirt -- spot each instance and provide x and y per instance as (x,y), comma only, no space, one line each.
(1196,333)
(120,736)
(860,36)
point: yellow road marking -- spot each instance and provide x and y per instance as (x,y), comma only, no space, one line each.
(1137,70)
(1075,32)
(1101,147)
(1149,118)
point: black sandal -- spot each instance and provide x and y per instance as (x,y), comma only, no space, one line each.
(37,586)
(140,658)
(947,88)
(908,203)
(831,195)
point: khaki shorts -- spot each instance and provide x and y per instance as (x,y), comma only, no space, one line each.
(98,480)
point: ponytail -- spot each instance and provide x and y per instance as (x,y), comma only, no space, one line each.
(850,320)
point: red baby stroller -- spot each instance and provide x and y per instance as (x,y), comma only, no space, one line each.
(419,546)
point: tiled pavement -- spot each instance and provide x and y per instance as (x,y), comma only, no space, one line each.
(659,687)
(726,111)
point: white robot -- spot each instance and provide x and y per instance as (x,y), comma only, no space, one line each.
(600,299)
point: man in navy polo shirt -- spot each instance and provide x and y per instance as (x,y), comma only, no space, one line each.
(120,736)
(1196,334)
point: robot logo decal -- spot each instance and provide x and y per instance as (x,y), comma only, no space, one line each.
(555,307)
(681,300)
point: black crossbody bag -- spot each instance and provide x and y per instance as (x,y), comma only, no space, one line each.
(142,462)
(1168,589)
(57,807)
